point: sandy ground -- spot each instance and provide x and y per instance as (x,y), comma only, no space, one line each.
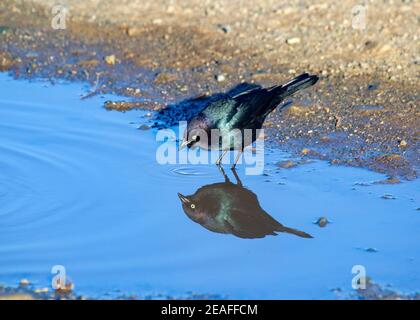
(27,291)
(372,291)
(364,111)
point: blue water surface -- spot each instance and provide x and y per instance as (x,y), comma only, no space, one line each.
(80,187)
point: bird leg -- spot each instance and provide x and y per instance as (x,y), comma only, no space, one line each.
(224,174)
(237,158)
(220,158)
(238,181)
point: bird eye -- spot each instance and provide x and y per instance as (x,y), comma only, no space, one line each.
(193,206)
(195,138)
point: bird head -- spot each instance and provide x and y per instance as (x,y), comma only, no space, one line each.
(196,133)
(192,207)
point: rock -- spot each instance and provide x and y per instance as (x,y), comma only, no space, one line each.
(287,164)
(5,61)
(110,59)
(322,222)
(165,77)
(133,31)
(402,144)
(144,127)
(390,180)
(225,28)
(64,288)
(388,196)
(305,151)
(297,110)
(220,77)
(293,41)
(88,63)
(24,282)
(338,121)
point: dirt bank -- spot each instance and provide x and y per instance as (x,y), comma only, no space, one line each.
(364,111)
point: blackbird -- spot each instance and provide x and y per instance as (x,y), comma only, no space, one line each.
(231,115)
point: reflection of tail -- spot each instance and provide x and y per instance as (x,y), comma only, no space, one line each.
(294,231)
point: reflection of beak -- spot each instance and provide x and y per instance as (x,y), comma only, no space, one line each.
(183,144)
(183,199)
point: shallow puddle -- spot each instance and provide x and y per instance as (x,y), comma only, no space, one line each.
(80,187)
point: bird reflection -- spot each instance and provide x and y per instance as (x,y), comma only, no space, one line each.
(226,207)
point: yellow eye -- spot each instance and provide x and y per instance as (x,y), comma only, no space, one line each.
(193,206)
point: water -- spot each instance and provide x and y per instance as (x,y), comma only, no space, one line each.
(80,187)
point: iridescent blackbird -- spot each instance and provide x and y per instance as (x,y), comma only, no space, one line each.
(231,115)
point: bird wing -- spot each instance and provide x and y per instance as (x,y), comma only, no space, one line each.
(251,108)
(250,224)
(247,224)
(244,110)
(220,112)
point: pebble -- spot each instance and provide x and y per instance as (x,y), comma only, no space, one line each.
(293,41)
(41,290)
(24,282)
(388,197)
(305,152)
(225,28)
(110,59)
(132,32)
(144,127)
(402,144)
(287,164)
(322,222)
(220,77)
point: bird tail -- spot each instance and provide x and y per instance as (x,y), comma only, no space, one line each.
(295,232)
(303,81)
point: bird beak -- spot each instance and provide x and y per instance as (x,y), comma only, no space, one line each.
(183,144)
(183,199)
